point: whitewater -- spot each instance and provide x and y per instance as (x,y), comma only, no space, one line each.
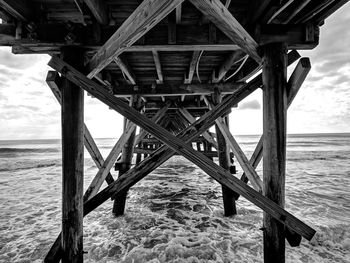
(175,214)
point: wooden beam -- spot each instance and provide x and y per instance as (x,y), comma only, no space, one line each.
(178,90)
(224,161)
(297,9)
(20,10)
(125,68)
(218,75)
(274,150)
(156,118)
(54,81)
(72,162)
(192,67)
(219,174)
(295,36)
(104,170)
(320,7)
(191,120)
(145,17)
(237,151)
(128,150)
(99,10)
(158,65)
(330,10)
(224,20)
(178,13)
(163,154)
(294,83)
(256,9)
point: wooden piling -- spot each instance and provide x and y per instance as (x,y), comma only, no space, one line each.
(127,154)
(72,161)
(224,161)
(274,144)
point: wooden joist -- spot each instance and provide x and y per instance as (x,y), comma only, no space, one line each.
(192,67)
(172,90)
(164,153)
(20,10)
(145,17)
(99,10)
(54,81)
(224,20)
(215,171)
(158,66)
(125,68)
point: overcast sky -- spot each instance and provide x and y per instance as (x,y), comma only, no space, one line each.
(28,110)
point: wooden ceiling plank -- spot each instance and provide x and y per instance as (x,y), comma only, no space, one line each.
(145,17)
(225,21)
(99,10)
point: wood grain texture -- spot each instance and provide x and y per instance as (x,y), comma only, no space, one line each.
(99,10)
(274,145)
(145,17)
(224,20)
(219,174)
(54,81)
(20,10)
(72,162)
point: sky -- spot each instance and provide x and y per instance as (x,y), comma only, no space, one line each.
(28,110)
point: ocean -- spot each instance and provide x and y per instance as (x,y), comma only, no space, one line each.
(175,214)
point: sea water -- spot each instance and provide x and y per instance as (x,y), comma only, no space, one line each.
(175,214)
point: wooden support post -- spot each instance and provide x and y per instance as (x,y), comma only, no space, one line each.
(274,149)
(228,195)
(72,162)
(119,203)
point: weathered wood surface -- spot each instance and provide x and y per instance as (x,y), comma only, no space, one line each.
(54,82)
(274,150)
(192,67)
(191,120)
(21,10)
(215,11)
(294,83)
(103,171)
(163,154)
(171,90)
(72,162)
(99,10)
(224,162)
(218,173)
(158,66)
(127,154)
(146,16)
(125,68)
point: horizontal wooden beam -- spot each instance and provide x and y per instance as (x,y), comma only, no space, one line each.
(171,90)
(295,36)
(178,145)
(146,16)
(215,11)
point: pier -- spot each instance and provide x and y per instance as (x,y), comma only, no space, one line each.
(174,69)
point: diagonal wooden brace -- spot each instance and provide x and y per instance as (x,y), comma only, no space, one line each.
(212,169)
(53,80)
(161,155)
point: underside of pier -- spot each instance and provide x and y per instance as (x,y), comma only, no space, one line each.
(173,69)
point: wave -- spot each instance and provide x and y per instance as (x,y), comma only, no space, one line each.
(28,150)
(29,166)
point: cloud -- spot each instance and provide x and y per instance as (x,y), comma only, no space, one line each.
(17,61)
(250,105)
